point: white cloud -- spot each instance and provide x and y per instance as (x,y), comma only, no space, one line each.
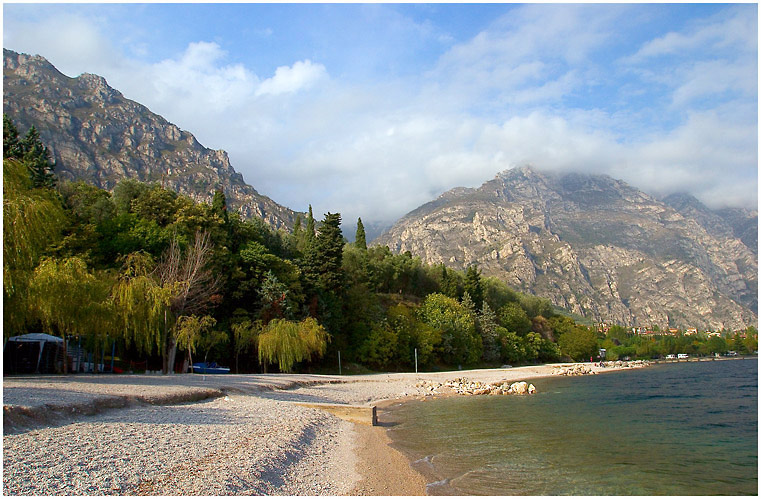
(302,75)
(503,98)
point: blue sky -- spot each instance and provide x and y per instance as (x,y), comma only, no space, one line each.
(373,109)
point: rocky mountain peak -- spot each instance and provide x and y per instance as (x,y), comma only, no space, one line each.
(97,135)
(593,245)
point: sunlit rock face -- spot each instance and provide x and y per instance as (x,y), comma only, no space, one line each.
(595,246)
(96,135)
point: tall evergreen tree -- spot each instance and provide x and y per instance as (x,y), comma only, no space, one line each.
(360,240)
(37,159)
(329,245)
(473,284)
(489,333)
(11,144)
(309,236)
(219,205)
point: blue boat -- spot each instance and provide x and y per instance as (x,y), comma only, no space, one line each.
(209,368)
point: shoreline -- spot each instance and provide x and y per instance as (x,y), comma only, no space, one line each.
(263,443)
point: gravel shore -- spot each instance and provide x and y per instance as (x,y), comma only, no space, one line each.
(208,435)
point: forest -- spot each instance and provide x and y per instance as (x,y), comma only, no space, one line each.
(163,280)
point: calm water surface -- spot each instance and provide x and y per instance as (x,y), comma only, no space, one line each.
(688,428)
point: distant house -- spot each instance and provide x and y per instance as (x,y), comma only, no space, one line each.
(691,331)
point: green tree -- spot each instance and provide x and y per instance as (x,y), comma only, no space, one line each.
(245,336)
(329,253)
(33,219)
(380,347)
(194,332)
(579,343)
(37,159)
(473,284)
(412,333)
(360,241)
(460,343)
(70,300)
(11,144)
(489,334)
(141,304)
(287,342)
(514,318)
(219,205)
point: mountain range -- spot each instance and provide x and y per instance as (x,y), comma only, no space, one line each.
(591,244)
(595,246)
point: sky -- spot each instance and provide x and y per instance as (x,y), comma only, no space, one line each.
(371,110)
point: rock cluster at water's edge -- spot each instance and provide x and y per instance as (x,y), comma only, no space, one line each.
(463,386)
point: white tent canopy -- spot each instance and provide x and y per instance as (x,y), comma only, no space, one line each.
(40,338)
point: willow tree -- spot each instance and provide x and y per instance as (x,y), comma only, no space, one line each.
(32,220)
(287,342)
(245,336)
(141,303)
(70,300)
(194,332)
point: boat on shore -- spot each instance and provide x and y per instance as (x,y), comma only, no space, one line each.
(209,368)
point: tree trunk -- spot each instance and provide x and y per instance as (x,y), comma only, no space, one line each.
(164,363)
(171,354)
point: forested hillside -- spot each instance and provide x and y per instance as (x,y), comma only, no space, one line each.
(166,279)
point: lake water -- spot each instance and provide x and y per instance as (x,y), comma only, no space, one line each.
(688,428)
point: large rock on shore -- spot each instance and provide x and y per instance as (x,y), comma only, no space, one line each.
(463,386)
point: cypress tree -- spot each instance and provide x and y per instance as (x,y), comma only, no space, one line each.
(360,240)
(473,284)
(219,205)
(309,236)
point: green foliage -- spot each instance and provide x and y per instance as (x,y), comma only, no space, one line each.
(68,299)
(360,240)
(473,284)
(514,318)
(32,220)
(140,303)
(380,347)
(329,253)
(11,144)
(287,342)
(489,334)
(579,343)
(412,333)
(511,346)
(36,157)
(460,343)
(192,332)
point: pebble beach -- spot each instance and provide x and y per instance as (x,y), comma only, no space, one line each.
(191,434)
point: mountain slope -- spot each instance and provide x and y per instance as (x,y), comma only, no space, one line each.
(592,245)
(96,135)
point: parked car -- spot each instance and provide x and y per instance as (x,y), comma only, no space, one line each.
(682,356)
(670,356)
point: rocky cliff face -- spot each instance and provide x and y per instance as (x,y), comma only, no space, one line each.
(592,245)
(98,136)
